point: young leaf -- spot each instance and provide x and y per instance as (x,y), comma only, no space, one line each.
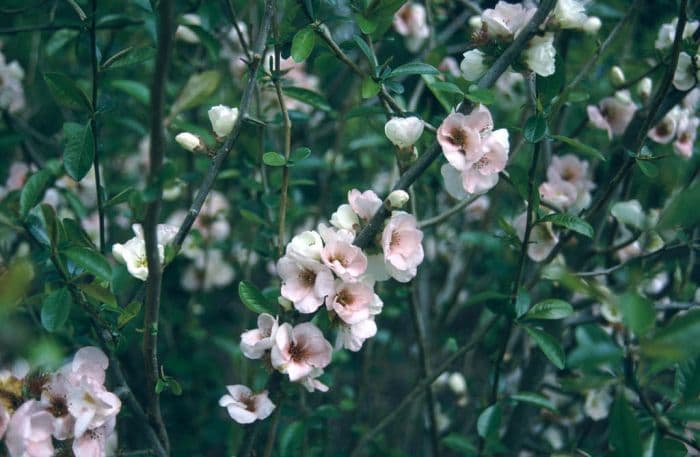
(535,128)
(91,261)
(129,313)
(33,191)
(571,222)
(413,68)
(79,151)
(55,310)
(254,300)
(489,421)
(549,346)
(369,88)
(550,309)
(534,399)
(638,312)
(303,43)
(274,159)
(66,93)
(197,89)
(300,154)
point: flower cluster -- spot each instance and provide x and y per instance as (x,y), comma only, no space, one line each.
(476,153)
(222,119)
(11,90)
(324,269)
(568,185)
(71,406)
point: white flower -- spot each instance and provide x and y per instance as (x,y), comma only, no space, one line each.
(472,65)
(667,33)
(457,383)
(684,77)
(91,405)
(189,142)
(597,405)
(404,132)
(222,119)
(398,198)
(306,245)
(11,90)
(255,342)
(570,14)
(540,54)
(244,407)
(185,33)
(592,25)
(133,252)
(506,20)
(345,218)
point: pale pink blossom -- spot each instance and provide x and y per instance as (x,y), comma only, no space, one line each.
(401,244)
(353,336)
(561,194)
(245,407)
(411,22)
(460,136)
(306,283)
(311,382)
(568,186)
(453,181)
(89,362)
(4,420)
(542,238)
(54,397)
(571,169)
(17,176)
(306,245)
(613,114)
(482,175)
(97,442)
(478,208)
(11,90)
(364,204)
(540,54)
(345,218)
(685,134)
(91,405)
(506,20)
(665,130)
(352,301)
(29,431)
(255,342)
(449,66)
(298,350)
(340,255)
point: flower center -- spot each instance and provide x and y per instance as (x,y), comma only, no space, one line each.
(568,174)
(297,352)
(481,163)
(344,297)
(307,277)
(249,403)
(58,407)
(340,258)
(395,239)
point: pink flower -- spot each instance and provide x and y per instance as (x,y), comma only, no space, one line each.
(89,362)
(460,136)
(29,431)
(561,194)
(482,175)
(401,243)
(17,176)
(54,398)
(411,21)
(506,19)
(91,405)
(297,351)
(97,442)
(244,407)
(364,204)
(542,238)
(340,255)
(351,301)
(686,133)
(255,342)
(571,169)
(612,114)
(306,283)
(352,337)
(665,130)
(344,218)
(311,383)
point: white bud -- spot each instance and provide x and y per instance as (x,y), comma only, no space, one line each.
(398,198)
(617,76)
(472,65)
(592,25)
(403,131)
(475,22)
(644,87)
(457,384)
(190,142)
(284,303)
(222,119)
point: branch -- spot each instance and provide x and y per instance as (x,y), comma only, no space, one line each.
(225,149)
(489,79)
(607,271)
(71,26)
(166,28)
(93,121)
(450,212)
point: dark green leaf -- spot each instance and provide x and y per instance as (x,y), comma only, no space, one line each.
(254,300)
(413,68)
(576,144)
(638,312)
(55,310)
(366,25)
(364,47)
(52,224)
(309,97)
(300,154)
(130,56)
(197,89)
(522,303)
(649,168)
(33,191)
(489,421)
(534,399)
(688,379)
(550,309)
(137,90)
(121,197)
(478,95)
(460,444)
(624,429)
(291,439)
(444,86)
(274,159)
(549,346)
(303,43)
(594,347)
(66,93)
(91,261)
(677,341)
(535,128)
(79,151)
(571,222)
(687,412)
(682,210)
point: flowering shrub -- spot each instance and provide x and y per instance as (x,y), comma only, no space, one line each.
(362,227)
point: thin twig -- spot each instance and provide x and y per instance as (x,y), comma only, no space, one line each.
(166,29)
(93,121)
(71,26)
(449,213)
(607,271)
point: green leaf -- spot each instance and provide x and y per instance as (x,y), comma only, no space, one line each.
(138,91)
(33,191)
(549,346)
(649,168)
(624,428)
(252,217)
(254,300)
(79,151)
(534,399)
(364,47)
(366,25)
(413,68)
(550,309)
(91,261)
(593,348)
(460,444)
(522,303)
(369,88)
(489,421)
(303,43)
(66,93)
(535,128)
(300,154)
(291,439)
(197,89)
(637,312)
(479,95)
(688,379)
(274,159)
(682,210)
(121,197)
(677,341)
(130,312)
(309,97)
(444,86)
(52,224)
(570,222)
(55,310)
(130,56)
(687,412)
(583,148)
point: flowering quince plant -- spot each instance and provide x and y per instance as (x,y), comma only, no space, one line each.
(455,228)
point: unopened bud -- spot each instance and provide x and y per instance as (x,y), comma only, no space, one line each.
(222,119)
(403,131)
(617,76)
(644,88)
(190,142)
(398,198)
(457,384)
(592,25)
(475,22)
